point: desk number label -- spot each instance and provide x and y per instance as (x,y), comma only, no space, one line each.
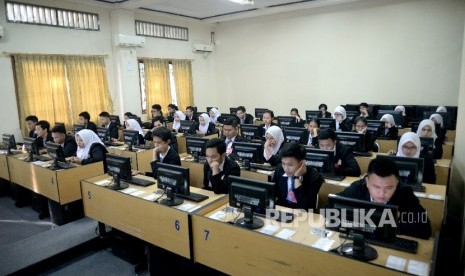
(89,195)
(177,225)
(207,232)
(51,181)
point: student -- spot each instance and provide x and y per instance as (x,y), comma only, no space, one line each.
(172,108)
(190,114)
(163,153)
(126,117)
(439,124)
(177,118)
(363,111)
(158,122)
(230,135)
(381,184)
(310,136)
(132,124)
(156,112)
(90,149)
(214,114)
(342,122)
(410,146)
(323,111)
(104,118)
(344,160)
(298,122)
(426,129)
(242,116)
(43,133)
(390,129)
(65,141)
(205,127)
(401,108)
(31,122)
(84,119)
(274,141)
(296,185)
(361,126)
(218,167)
(268,117)
(441,108)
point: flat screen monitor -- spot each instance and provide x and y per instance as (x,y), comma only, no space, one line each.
(351,107)
(131,138)
(9,142)
(115,119)
(120,167)
(259,113)
(446,118)
(196,146)
(414,126)
(252,196)
(251,132)
(188,127)
(327,123)
(56,153)
(31,146)
(410,170)
(248,152)
(285,121)
(398,118)
(427,146)
(293,134)
(351,115)
(309,114)
(420,109)
(103,133)
(353,140)
(224,117)
(174,180)
(233,111)
(320,160)
(375,127)
(77,128)
(60,124)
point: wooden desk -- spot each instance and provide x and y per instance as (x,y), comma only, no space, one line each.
(386,145)
(448,150)
(62,186)
(4,171)
(253,253)
(140,159)
(166,227)
(404,130)
(450,135)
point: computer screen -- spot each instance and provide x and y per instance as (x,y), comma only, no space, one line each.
(259,113)
(410,170)
(120,167)
(293,134)
(414,126)
(375,127)
(420,109)
(351,114)
(55,151)
(77,128)
(60,124)
(9,142)
(286,121)
(103,133)
(353,140)
(320,160)
(252,152)
(250,131)
(252,196)
(427,146)
(309,114)
(351,107)
(327,123)
(224,117)
(31,146)
(174,180)
(131,137)
(115,119)
(398,118)
(196,145)
(233,110)
(188,127)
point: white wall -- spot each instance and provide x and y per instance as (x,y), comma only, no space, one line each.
(378,51)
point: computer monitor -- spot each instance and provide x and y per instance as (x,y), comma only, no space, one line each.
(293,134)
(104,134)
(414,126)
(285,121)
(188,127)
(248,153)
(398,118)
(252,196)
(131,138)
(353,140)
(309,114)
(120,167)
(259,113)
(251,132)
(351,115)
(77,128)
(210,107)
(427,146)
(9,142)
(233,111)
(174,180)
(351,107)
(56,153)
(60,124)
(419,111)
(31,146)
(410,170)
(361,219)
(224,117)
(115,119)
(327,123)
(196,146)
(320,160)
(375,127)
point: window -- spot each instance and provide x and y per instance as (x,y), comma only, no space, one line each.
(161,30)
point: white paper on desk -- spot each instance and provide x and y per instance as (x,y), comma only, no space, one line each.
(437,197)
(323,244)
(3,151)
(137,193)
(417,267)
(186,206)
(195,208)
(129,190)
(285,234)
(269,229)
(417,194)
(151,197)
(344,184)
(396,263)
(104,182)
(220,215)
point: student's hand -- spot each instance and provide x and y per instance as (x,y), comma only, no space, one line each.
(392,152)
(215,166)
(135,172)
(269,143)
(301,171)
(76,159)
(388,125)
(338,118)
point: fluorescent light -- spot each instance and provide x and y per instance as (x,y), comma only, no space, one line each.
(243,2)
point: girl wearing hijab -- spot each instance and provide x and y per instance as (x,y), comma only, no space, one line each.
(274,141)
(342,122)
(439,124)
(426,129)
(401,108)
(178,117)
(390,129)
(214,114)
(410,146)
(441,108)
(132,124)
(204,126)
(90,148)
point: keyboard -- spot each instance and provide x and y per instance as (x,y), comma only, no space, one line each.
(264,167)
(41,158)
(111,144)
(66,165)
(400,244)
(143,147)
(193,197)
(332,176)
(141,182)
(417,188)
(364,154)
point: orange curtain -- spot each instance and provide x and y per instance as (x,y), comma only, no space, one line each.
(157,83)
(182,71)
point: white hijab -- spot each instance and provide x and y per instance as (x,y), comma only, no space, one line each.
(89,138)
(441,108)
(409,137)
(389,118)
(217,114)
(182,117)
(204,128)
(430,123)
(134,125)
(438,119)
(278,136)
(400,108)
(342,111)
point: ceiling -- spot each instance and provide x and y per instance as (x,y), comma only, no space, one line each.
(211,11)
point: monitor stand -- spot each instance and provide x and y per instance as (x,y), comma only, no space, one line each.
(117,184)
(171,200)
(359,250)
(249,221)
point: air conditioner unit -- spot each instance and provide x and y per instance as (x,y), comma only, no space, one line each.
(202,48)
(129,40)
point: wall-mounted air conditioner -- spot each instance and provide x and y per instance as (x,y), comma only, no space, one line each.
(129,40)
(202,48)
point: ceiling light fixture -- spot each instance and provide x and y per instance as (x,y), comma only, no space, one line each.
(243,2)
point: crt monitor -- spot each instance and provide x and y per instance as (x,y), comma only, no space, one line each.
(248,152)
(286,121)
(327,123)
(252,196)
(250,131)
(320,160)
(77,128)
(410,170)
(131,138)
(9,142)
(115,119)
(31,146)
(375,127)
(293,134)
(174,180)
(56,153)
(196,146)
(233,111)
(398,118)
(120,167)
(103,133)
(224,117)
(188,127)
(353,140)
(259,113)
(309,114)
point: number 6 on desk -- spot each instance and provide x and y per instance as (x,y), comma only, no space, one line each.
(176,225)
(207,232)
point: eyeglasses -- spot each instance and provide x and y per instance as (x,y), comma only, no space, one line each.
(409,148)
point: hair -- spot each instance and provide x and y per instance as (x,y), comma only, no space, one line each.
(230,122)
(327,133)
(32,118)
(316,120)
(85,115)
(296,110)
(173,106)
(323,105)
(163,133)
(44,125)
(361,118)
(293,149)
(156,106)
(129,114)
(269,112)
(383,167)
(216,143)
(241,108)
(59,129)
(104,114)
(364,104)
(191,108)
(158,118)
